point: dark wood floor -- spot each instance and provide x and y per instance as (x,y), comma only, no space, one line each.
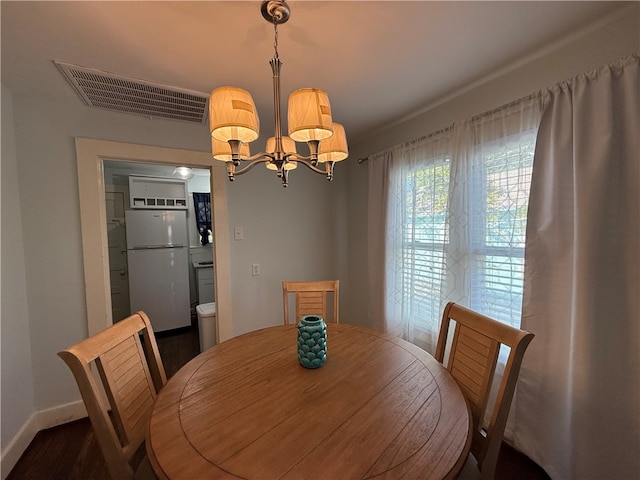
(70,451)
(177,347)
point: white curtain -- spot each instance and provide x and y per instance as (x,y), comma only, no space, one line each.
(578,399)
(488,195)
(379,166)
(393,174)
(446,222)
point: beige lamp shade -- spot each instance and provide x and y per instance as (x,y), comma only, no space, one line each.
(290,165)
(334,148)
(233,115)
(288,145)
(222,150)
(309,115)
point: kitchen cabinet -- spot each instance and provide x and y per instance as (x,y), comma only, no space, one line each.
(204,280)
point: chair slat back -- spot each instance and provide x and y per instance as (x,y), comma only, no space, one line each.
(473,356)
(128,386)
(311,303)
(472,363)
(311,298)
(120,397)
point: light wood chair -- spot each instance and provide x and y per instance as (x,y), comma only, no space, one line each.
(473,356)
(131,376)
(311,298)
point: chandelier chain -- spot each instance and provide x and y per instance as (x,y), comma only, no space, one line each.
(275,38)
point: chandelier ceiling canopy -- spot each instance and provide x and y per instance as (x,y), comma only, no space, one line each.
(234,122)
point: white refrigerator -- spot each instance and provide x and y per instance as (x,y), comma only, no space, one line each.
(157,256)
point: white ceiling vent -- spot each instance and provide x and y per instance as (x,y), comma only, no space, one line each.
(129,95)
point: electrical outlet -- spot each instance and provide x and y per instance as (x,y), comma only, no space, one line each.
(238,233)
(255,269)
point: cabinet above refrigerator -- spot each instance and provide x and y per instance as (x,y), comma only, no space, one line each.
(157,193)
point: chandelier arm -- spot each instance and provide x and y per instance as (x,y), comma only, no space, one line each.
(259,157)
(328,171)
(295,157)
(250,166)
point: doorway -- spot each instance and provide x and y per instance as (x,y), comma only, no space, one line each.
(91,156)
(118,201)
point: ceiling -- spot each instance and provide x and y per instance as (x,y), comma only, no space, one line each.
(379,61)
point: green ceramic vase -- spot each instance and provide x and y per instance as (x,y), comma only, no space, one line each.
(312,341)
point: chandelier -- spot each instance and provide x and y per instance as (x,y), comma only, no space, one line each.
(234,123)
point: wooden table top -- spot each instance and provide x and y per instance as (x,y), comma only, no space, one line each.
(379,407)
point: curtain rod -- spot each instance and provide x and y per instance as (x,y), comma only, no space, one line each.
(474,118)
(409,143)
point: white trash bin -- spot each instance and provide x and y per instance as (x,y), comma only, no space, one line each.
(207,325)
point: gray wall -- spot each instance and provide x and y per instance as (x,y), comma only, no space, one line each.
(291,232)
(17,372)
(612,38)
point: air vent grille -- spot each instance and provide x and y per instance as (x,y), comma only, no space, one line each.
(129,95)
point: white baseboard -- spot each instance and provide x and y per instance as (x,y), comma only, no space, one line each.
(17,446)
(61,414)
(39,420)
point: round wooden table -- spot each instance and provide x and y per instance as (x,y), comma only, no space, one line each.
(379,407)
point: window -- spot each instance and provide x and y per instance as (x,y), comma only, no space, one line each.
(489,206)
(500,194)
(424,240)
(447,220)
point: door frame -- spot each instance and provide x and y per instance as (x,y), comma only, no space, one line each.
(90,155)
